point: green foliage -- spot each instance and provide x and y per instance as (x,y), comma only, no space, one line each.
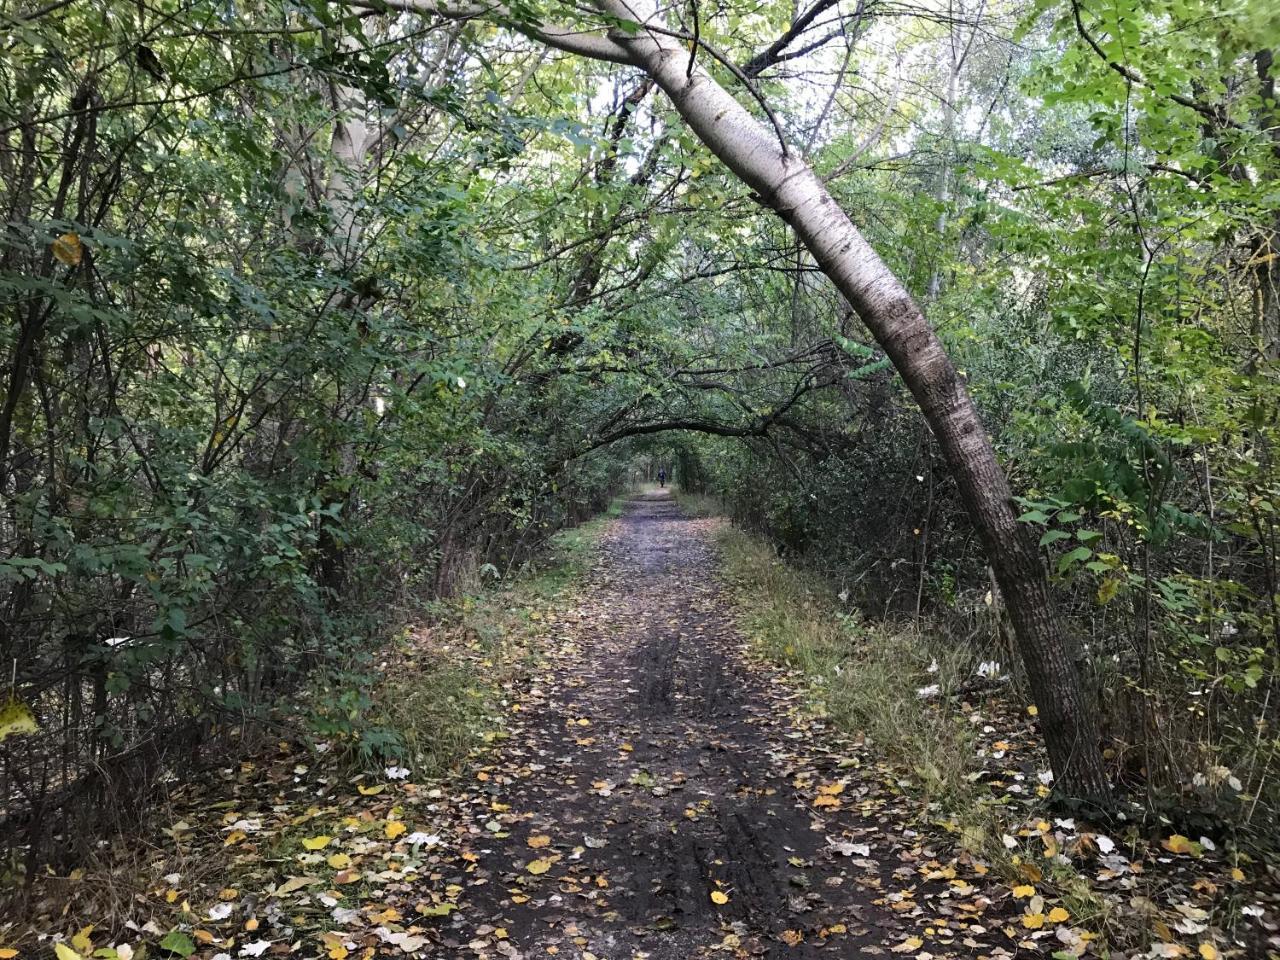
(268,396)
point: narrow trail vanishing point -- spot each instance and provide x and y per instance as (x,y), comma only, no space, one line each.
(668,799)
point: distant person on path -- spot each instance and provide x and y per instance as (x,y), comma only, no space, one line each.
(662,478)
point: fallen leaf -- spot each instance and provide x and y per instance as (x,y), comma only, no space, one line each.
(81,940)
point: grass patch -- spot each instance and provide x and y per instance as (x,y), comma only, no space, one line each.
(699,504)
(863,677)
(866,678)
(437,715)
(440,699)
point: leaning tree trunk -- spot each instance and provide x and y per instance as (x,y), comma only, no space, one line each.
(787,185)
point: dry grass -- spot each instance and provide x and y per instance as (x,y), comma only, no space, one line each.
(864,677)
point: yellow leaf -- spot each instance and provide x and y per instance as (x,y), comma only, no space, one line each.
(1208,951)
(436,909)
(7,953)
(395,828)
(719,896)
(16,718)
(908,945)
(251,924)
(792,937)
(234,837)
(1033,921)
(65,953)
(293,884)
(832,789)
(316,843)
(826,801)
(538,866)
(1033,710)
(81,940)
(338,952)
(1237,874)
(837,928)
(68,249)
(339,861)
(1024,891)
(538,841)
(1059,915)
(1177,844)
(371,791)
(228,893)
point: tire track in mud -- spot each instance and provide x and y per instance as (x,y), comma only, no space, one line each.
(656,767)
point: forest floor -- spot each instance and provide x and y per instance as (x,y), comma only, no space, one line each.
(656,789)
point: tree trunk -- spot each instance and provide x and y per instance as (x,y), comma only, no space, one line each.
(787,185)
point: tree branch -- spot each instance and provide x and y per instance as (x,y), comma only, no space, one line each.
(1209,112)
(770,54)
(592,44)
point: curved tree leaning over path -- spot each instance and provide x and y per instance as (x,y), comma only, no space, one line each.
(785,183)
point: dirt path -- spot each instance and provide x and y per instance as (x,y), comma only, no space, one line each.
(653,771)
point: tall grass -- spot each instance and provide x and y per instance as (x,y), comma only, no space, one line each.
(447,703)
(864,677)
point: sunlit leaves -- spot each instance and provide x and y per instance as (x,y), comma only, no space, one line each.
(68,250)
(16,718)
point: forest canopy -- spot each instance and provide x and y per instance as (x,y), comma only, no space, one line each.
(316,313)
